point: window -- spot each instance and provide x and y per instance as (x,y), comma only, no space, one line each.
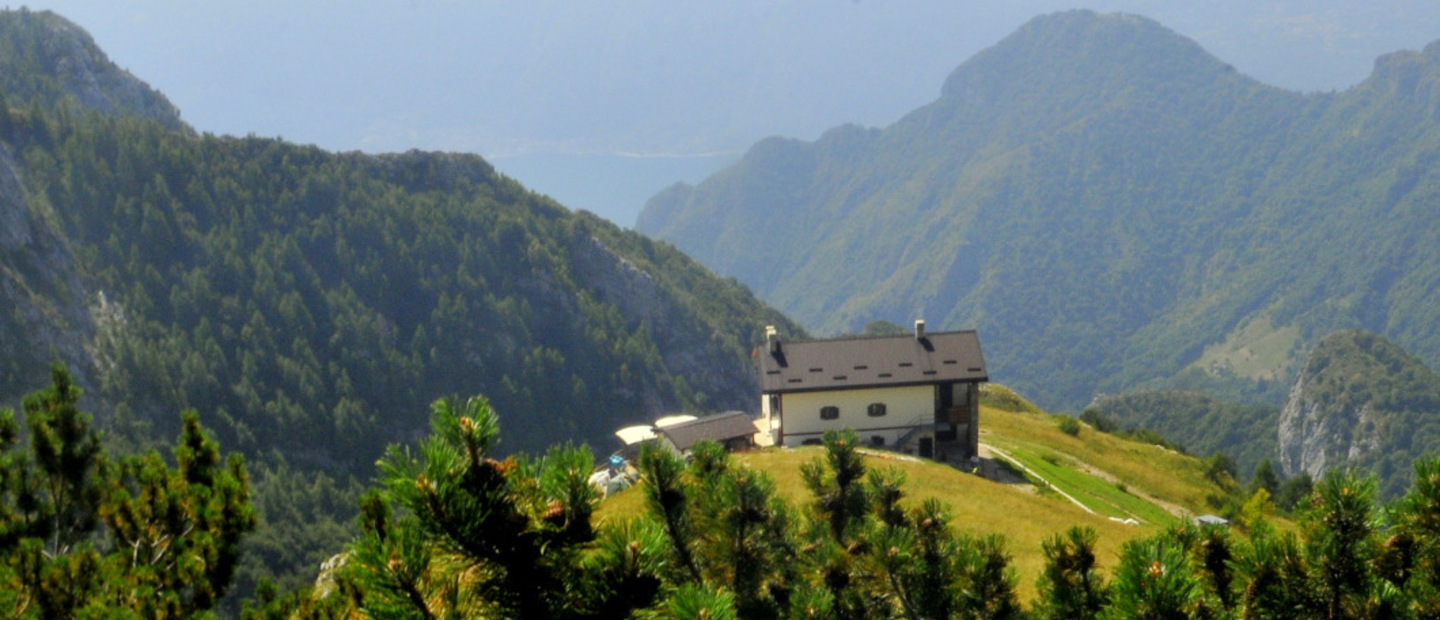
(962,394)
(875,410)
(877,440)
(829,413)
(812,442)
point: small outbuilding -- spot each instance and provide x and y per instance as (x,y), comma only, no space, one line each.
(733,429)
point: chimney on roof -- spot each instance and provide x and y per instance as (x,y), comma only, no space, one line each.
(920,329)
(772,339)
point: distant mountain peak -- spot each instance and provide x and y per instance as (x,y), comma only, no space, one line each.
(1082,45)
(46,57)
(1110,204)
(1410,74)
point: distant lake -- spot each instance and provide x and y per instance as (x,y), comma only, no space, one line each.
(613,186)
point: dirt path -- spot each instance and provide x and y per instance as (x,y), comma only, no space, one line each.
(1173,509)
(1010,477)
(1001,453)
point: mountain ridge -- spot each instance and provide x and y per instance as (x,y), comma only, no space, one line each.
(1061,202)
(316,302)
(45,57)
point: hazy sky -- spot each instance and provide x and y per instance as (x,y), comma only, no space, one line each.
(646,77)
(651,76)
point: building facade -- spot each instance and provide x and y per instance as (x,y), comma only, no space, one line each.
(916,393)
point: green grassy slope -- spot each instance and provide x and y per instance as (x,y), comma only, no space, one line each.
(1091,467)
(1201,423)
(311,305)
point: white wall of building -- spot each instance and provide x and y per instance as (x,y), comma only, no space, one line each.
(906,408)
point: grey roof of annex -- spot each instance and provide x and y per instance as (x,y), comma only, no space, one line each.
(718,427)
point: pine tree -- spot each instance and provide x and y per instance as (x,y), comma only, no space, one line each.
(837,484)
(1266,478)
(841,503)
(1071,585)
(79,535)
(1276,575)
(1411,555)
(919,555)
(67,457)
(490,538)
(987,590)
(668,500)
(1153,582)
(1340,542)
(180,529)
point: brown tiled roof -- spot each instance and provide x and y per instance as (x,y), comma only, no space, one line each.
(849,363)
(718,427)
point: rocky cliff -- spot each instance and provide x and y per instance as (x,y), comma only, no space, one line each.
(47,61)
(46,314)
(1313,437)
(1360,401)
(688,346)
(45,58)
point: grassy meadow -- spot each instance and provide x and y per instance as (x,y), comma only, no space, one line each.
(1113,476)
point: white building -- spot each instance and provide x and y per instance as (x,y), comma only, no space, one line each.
(915,393)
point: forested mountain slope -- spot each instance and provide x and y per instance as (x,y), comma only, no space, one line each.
(315,303)
(1359,401)
(44,60)
(1108,205)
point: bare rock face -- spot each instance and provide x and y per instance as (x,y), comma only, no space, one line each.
(1314,437)
(686,344)
(46,303)
(1361,402)
(47,312)
(76,67)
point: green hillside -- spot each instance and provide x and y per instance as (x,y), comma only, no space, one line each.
(315,302)
(1359,400)
(1203,424)
(839,531)
(1111,476)
(311,305)
(1109,205)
